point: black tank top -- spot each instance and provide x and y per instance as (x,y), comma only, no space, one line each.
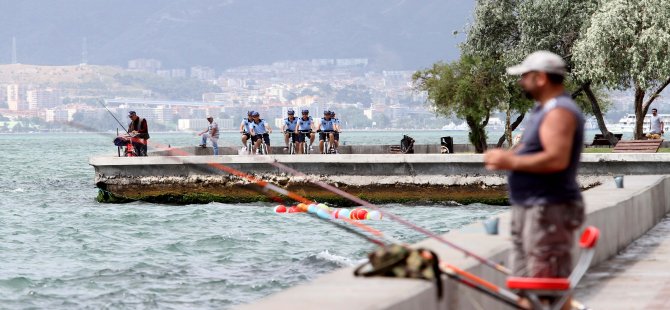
(528,189)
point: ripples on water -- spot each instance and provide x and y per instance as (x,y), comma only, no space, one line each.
(61,249)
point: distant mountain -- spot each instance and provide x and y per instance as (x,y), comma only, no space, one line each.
(393,34)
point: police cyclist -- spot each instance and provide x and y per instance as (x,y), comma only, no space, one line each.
(305,127)
(338,129)
(289,127)
(325,127)
(260,129)
(245,128)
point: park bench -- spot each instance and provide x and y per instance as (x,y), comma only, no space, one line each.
(637,146)
(599,139)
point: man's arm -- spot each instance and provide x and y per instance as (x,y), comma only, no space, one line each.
(662,127)
(556,135)
(242,126)
(268,128)
(215,130)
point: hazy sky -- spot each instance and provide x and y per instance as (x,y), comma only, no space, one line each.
(393,34)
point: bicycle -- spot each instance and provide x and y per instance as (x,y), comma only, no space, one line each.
(291,144)
(249,147)
(328,147)
(304,136)
(263,147)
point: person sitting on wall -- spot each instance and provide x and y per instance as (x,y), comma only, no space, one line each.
(212,132)
(139,131)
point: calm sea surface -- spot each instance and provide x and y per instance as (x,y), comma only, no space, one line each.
(60,249)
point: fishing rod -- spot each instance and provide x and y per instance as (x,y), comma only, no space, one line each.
(398,219)
(576,304)
(112,114)
(456,274)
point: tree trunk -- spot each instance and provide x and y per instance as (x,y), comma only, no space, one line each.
(513,127)
(639,113)
(595,108)
(477,134)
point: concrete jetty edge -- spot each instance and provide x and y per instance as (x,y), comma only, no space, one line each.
(380,178)
(622,215)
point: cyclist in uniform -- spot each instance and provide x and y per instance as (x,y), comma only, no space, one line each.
(245,130)
(326,127)
(305,127)
(338,129)
(260,129)
(289,127)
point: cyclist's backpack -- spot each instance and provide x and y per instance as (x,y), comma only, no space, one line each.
(399,261)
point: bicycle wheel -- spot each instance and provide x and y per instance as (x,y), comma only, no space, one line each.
(264,148)
(291,148)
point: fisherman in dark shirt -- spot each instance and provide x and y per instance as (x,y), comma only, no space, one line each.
(139,131)
(546,200)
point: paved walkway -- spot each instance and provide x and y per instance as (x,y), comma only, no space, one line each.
(637,278)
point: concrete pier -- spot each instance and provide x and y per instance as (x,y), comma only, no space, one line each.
(637,278)
(622,215)
(380,178)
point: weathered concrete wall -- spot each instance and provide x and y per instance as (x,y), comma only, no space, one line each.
(622,215)
(379,178)
(343,149)
(460,165)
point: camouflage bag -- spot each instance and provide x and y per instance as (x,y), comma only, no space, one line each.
(398,261)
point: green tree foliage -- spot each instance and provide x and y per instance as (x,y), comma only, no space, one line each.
(626,46)
(470,88)
(508,30)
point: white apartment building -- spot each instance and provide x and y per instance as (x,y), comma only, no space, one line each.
(203,73)
(16,100)
(43,98)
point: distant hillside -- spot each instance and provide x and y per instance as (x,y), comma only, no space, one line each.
(394,34)
(103,81)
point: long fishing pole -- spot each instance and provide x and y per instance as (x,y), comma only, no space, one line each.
(398,219)
(458,275)
(112,114)
(407,223)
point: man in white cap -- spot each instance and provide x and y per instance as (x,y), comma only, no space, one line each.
(546,200)
(212,132)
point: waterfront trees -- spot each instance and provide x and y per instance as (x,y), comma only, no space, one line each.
(469,87)
(626,46)
(508,30)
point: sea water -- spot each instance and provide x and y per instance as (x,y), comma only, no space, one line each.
(60,249)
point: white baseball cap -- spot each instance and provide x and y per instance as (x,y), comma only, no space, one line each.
(209,116)
(542,61)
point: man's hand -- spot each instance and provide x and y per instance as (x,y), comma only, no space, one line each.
(498,159)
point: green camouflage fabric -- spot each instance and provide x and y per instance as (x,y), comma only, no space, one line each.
(398,261)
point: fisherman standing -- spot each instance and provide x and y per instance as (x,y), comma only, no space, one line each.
(656,125)
(139,131)
(546,200)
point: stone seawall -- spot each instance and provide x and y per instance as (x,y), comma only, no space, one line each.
(379,178)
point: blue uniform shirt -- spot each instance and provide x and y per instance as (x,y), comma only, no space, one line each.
(305,124)
(259,128)
(246,122)
(327,125)
(290,125)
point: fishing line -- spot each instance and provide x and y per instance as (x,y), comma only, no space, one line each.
(459,275)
